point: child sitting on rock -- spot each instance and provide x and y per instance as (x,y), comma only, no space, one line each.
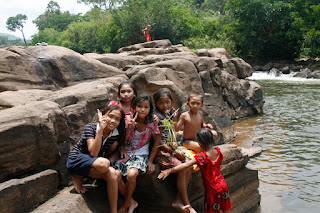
(192,121)
(87,158)
(168,154)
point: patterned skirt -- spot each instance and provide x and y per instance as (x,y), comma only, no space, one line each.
(136,161)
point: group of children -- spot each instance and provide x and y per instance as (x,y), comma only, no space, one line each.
(119,145)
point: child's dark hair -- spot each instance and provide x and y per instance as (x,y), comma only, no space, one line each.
(121,128)
(194,94)
(130,84)
(205,136)
(161,92)
(140,98)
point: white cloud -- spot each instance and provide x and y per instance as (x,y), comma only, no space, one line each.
(33,8)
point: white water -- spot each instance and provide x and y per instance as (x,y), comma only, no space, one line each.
(283,77)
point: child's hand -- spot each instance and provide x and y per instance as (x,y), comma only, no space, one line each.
(156,118)
(163,174)
(208,126)
(102,120)
(132,122)
(175,114)
(123,154)
(151,168)
(180,155)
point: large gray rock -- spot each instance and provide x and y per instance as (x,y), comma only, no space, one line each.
(47,67)
(29,138)
(21,195)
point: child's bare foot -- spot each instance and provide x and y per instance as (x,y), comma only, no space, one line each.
(133,205)
(191,210)
(77,183)
(186,208)
(177,204)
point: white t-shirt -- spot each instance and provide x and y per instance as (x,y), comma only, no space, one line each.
(144,150)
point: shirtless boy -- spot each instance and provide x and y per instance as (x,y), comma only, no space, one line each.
(191,121)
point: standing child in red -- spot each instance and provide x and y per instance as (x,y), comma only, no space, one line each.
(216,189)
(146,33)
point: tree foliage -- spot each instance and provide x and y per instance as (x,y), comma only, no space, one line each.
(264,29)
(17,23)
(258,29)
(54,18)
(105,5)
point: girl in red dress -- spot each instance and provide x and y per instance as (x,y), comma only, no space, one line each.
(216,189)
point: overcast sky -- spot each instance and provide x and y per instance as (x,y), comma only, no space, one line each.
(33,8)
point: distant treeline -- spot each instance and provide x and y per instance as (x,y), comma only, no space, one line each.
(253,29)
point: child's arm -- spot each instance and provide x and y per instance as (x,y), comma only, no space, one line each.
(112,148)
(94,145)
(203,124)
(183,166)
(180,122)
(151,166)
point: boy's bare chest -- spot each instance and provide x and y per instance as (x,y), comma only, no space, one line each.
(194,121)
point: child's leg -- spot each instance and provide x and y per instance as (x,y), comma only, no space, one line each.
(192,145)
(77,182)
(129,203)
(131,186)
(101,169)
(122,190)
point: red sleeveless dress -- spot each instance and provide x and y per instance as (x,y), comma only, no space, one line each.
(216,189)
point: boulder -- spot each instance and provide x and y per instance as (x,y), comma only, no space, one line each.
(29,138)
(47,67)
(21,195)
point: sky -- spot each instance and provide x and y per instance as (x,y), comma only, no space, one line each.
(33,8)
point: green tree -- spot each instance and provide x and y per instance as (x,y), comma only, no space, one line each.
(105,5)
(54,18)
(264,29)
(88,36)
(16,23)
(48,35)
(170,19)
(307,15)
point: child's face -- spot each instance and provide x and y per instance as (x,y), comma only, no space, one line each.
(126,93)
(195,103)
(113,118)
(143,109)
(164,103)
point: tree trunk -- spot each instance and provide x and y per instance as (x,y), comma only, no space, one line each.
(24,39)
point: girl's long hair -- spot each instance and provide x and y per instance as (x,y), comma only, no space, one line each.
(132,87)
(159,93)
(140,98)
(121,128)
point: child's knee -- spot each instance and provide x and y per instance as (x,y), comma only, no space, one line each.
(102,164)
(132,174)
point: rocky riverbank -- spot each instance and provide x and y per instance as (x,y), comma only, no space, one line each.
(303,68)
(49,93)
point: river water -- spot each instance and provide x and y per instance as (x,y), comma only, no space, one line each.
(289,133)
